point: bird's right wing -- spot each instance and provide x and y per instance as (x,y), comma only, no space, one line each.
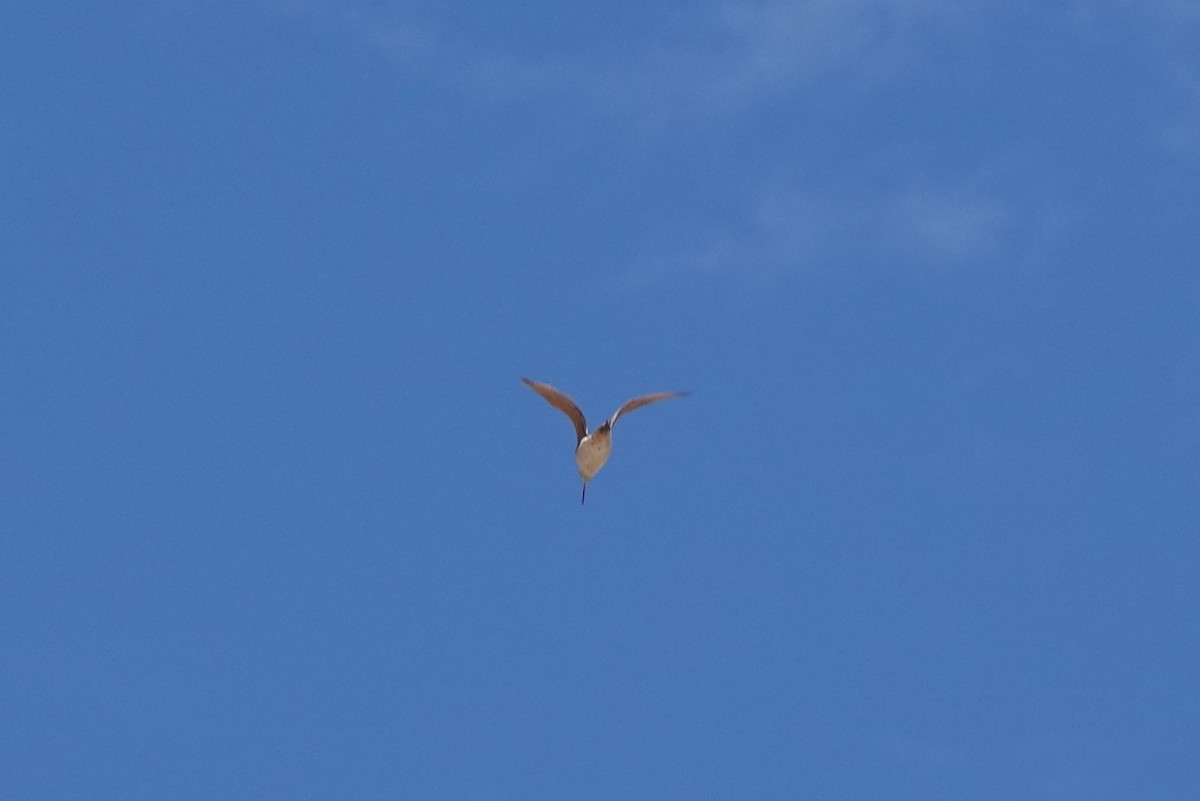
(560,401)
(644,400)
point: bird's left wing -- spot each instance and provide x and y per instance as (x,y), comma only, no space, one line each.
(564,404)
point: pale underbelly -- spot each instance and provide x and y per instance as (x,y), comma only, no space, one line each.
(591,456)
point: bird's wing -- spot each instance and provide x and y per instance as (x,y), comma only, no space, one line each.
(644,400)
(561,402)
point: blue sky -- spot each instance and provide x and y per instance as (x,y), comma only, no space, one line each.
(280,522)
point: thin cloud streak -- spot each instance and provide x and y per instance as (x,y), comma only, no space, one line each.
(730,56)
(1169,33)
(915,226)
(737,55)
(433,54)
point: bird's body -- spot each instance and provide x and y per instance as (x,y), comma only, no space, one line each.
(592,449)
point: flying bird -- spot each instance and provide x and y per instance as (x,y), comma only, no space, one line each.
(592,450)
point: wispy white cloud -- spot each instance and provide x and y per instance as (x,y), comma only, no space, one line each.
(777,44)
(735,55)
(1000,218)
(1168,33)
(726,57)
(434,54)
(722,57)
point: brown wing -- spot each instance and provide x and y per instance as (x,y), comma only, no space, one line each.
(561,402)
(644,400)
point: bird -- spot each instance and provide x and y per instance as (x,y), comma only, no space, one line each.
(592,450)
